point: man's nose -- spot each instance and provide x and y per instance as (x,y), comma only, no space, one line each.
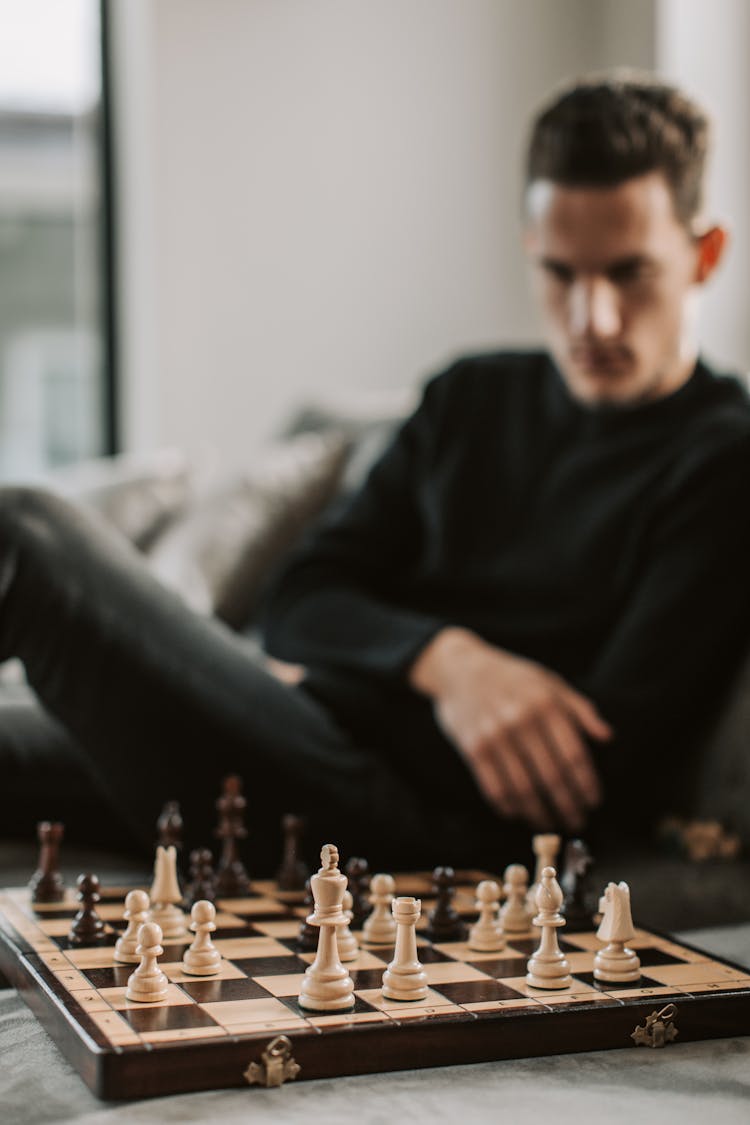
(594,309)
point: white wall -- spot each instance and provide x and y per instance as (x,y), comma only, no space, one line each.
(324,195)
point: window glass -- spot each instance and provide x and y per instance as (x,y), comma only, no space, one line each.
(52,393)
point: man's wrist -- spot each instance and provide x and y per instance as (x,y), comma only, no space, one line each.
(431,668)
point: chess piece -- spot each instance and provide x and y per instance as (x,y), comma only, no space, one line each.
(148,983)
(136,915)
(169,826)
(545,846)
(202,959)
(444,923)
(202,884)
(405,979)
(515,916)
(307,936)
(358,874)
(87,927)
(326,985)
(232,879)
(577,908)
(616,964)
(166,895)
(347,943)
(380,926)
(293,873)
(487,933)
(47,884)
(548,967)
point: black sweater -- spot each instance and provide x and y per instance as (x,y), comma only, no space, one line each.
(609,544)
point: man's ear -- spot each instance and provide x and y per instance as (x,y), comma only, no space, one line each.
(711,244)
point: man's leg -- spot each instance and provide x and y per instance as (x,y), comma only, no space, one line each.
(163,702)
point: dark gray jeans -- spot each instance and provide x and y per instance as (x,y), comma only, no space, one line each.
(160,703)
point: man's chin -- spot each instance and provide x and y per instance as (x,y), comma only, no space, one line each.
(603,387)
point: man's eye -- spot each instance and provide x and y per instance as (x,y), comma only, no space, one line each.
(559,272)
(627,275)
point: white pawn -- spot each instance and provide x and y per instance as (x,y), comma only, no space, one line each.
(515,915)
(166,894)
(405,979)
(135,914)
(545,846)
(548,967)
(616,963)
(148,983)
(202,959)
(380,927)
(326,985)
(347,943)
(487,933)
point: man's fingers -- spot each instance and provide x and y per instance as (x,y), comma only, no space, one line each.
(512,762)
(558,787)
(586,713)
(575,761)
(491,780)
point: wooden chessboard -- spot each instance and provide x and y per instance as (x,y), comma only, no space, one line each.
(208,1031)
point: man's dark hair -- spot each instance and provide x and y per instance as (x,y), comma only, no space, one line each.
(606,129)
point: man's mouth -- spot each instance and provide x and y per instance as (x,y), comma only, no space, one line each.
(601,361)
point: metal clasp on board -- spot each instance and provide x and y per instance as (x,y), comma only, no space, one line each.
(658,1030)
(276,1065)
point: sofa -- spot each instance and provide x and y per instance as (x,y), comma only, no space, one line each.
(217,535)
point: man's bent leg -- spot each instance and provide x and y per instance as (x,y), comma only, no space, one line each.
(162,701)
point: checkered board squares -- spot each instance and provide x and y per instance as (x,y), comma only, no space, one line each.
(473,997)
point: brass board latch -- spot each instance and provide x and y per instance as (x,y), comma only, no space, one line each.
(658,1030)
(276,1065)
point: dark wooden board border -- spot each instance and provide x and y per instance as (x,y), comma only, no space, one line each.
(138,1072)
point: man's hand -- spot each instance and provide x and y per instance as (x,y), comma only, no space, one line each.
(519,726)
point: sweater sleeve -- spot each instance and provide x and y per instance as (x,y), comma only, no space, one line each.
(337,602)
(668,661)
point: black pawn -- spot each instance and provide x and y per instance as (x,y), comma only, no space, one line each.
(444,923)
(202,883)
(47,883)
(579,902)
(293,872)
(87,927)
(307,938)
(358,874)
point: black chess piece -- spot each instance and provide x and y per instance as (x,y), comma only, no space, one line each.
(232,879)
(293,872)
(579,901)
(358,873)
(169,826)
(47,884)
(87,927)
(444,923)
(307,937)
(202,884)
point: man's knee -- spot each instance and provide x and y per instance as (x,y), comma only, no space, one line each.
(29,512)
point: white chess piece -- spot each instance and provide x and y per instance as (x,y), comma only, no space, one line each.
(135,914)
(345,939)
(326,985)
(405,979)
(487,933)
(616,963)
(380,927)
(166,894)
(545,845)
(548,967)
(515,915)
(148,983)
(202,959)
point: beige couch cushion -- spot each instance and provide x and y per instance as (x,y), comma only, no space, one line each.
(219,553)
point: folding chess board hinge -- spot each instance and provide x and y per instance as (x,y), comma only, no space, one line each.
(276,1065)
(658,1030)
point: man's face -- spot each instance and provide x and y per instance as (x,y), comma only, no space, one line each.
(614,272)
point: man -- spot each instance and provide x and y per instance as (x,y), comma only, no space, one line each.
(533,604)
